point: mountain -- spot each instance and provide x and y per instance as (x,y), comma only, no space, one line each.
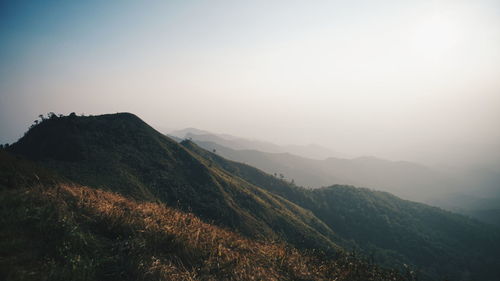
(310,151)
(53,229)
(122,156)
(121,153)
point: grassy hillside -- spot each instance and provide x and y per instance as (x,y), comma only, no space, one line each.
(441,243)
(55,230)
(121,153)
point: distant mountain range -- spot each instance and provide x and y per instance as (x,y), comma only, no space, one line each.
(405,179)
(475,193)
(119,175)
(313,151)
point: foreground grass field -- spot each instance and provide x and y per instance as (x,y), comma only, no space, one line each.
(70,232)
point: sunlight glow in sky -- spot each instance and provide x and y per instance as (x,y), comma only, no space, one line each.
(385,78)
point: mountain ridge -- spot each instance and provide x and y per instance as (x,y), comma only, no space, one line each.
(124,154)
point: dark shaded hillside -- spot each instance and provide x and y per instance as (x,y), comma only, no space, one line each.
(120,152)
(52,230)
(441,243)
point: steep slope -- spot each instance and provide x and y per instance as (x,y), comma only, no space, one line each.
(119,152)
(52,229)
(440,243)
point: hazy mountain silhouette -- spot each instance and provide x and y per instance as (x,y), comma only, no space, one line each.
(311,151)
(408,180)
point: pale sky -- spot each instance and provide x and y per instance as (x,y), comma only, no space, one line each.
(403,80)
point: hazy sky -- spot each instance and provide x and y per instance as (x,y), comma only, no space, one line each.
(395,79)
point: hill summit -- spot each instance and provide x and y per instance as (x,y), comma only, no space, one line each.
(121,153)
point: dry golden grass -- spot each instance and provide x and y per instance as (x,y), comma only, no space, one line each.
(115,237)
